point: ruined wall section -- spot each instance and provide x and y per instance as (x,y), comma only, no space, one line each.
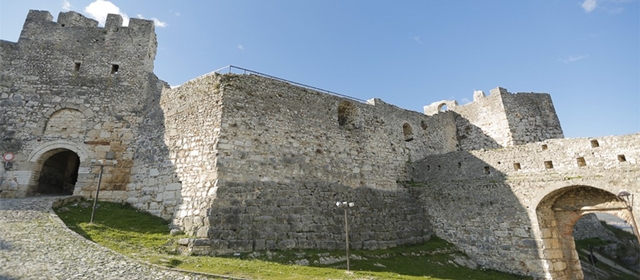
(531,117)
(481,124)
(72,85)
(502,119)
(485,201)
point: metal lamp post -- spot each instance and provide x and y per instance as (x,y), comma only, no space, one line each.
(624,196)
(109,156)
(346,205)
(95,199)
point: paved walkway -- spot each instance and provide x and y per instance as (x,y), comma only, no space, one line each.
(35,244)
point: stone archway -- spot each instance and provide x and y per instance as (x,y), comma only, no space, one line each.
(558,212)
(58,173)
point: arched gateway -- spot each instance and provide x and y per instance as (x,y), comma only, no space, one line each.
(58,173)
(55,167)
(558,212)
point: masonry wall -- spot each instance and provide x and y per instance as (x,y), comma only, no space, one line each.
(193,124)
(482,124)
(273,131)
(531,117)
(502,119)
(485,201)
(285,155)
(59,90)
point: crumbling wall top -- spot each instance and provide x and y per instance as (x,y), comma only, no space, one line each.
(68,19)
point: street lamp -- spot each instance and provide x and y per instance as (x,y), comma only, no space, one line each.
(109,156)
(624,196)
(346,205)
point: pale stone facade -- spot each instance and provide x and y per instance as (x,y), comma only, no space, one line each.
(246,162)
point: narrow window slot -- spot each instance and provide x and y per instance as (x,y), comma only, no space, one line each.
(115,68)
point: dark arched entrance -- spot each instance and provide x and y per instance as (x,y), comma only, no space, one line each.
(59,174)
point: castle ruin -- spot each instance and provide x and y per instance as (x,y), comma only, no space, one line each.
(244,162)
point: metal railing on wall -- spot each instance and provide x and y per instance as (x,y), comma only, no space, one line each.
(230,69)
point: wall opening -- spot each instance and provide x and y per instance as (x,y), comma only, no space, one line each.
(442,107)
(595,144)
(347,114)
(621,158)
(516,166)
(424,125)
(581,162)
(548,164)
(487,170)
(115,68)
(76,67)
(59,173)
(544,147)
(407,131)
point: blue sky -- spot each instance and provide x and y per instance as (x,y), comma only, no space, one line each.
(585,53)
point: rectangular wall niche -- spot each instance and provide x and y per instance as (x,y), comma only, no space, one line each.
(581,162)
(621,158)
(595,144)
(548,164)
(516,166)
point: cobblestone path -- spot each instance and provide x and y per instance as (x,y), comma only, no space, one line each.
(35,244)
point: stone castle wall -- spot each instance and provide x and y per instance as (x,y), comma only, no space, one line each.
(276,132)
(70,85)
(275,177)
(531,117)
(245,162)
(193,114)
(502,119)
(486,201)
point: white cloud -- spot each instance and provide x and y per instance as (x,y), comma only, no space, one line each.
(156,22)
(574,58)
(417,39)
(66,6)
(100,8)
(589,5)
(240,47)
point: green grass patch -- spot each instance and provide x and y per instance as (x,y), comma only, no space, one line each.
(144,236)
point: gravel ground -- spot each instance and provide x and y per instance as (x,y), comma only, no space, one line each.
(35,244)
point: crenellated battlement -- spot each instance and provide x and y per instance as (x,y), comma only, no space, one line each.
(40,19)
(87,49)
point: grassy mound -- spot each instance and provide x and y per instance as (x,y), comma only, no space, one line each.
(141,235)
